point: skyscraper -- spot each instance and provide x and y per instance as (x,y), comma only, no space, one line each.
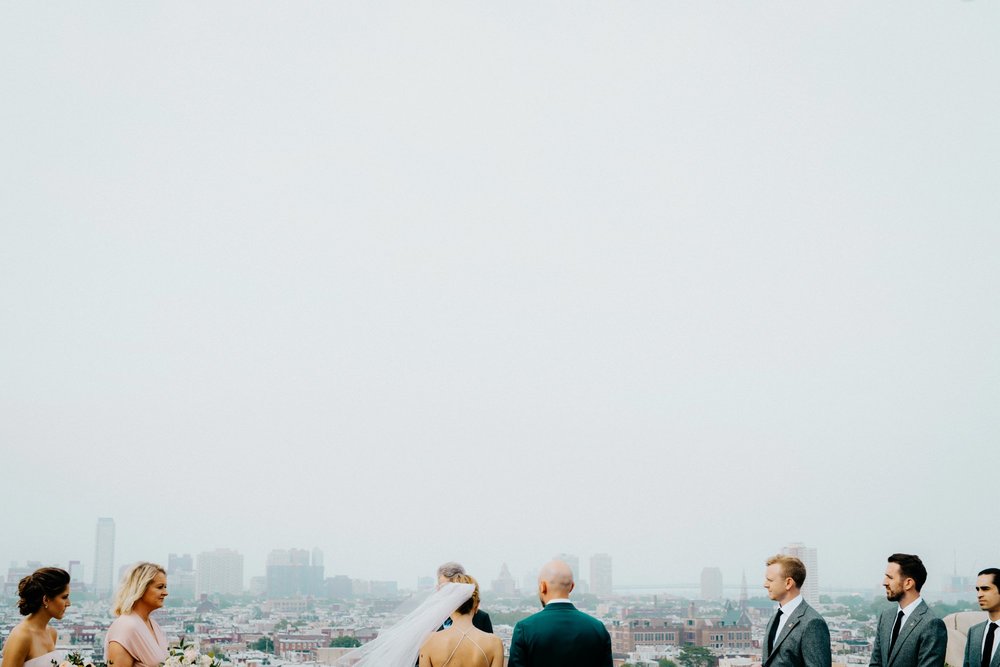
(75,571)
(291,574)
(601,580)
(810,590)
(711,583)
(220,571)
(104,558)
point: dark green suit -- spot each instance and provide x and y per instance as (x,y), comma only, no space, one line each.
(560,636)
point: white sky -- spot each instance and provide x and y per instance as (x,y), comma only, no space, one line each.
(679,281)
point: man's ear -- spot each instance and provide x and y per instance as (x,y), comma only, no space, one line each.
(543,587)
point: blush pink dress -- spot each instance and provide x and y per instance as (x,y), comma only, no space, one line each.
(148,649)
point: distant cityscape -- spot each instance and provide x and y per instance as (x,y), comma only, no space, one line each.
(297,613)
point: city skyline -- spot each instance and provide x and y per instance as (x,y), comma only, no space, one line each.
(235,558)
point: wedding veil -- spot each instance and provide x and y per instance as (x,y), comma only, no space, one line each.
(399,645)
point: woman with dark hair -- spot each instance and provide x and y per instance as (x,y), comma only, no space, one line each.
(44,595)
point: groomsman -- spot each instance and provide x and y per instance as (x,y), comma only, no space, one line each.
(909,634)
(559,635)
(981,646)
(797,636)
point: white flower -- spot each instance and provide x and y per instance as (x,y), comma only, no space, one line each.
(205,661)
(65,663)
(190,655)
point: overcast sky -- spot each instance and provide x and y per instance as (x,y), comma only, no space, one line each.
(418,281)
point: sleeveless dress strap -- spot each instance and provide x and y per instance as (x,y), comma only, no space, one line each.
(465,635)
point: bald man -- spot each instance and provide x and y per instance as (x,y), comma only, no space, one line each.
(559,635)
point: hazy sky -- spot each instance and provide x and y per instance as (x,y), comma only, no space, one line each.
(419,281)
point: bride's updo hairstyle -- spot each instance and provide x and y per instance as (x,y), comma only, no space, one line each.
(133,586)
(46,582)
(473,601)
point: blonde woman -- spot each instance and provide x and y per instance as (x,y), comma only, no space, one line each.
(134,638)
(462,644)
(44,595)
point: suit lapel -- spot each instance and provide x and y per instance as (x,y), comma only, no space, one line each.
(767,633)
(995,662)
(790,624)
(975,638)
(885,628)
(908,625)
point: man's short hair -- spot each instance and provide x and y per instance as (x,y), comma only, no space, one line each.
(450,570)
(790,567)
(994,572)
(911,566)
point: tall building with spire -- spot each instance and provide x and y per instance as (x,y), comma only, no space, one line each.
(104,558)
(810,590)
(505,584)
(743,591)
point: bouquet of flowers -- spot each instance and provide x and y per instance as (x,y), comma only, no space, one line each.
(188,655)
(76,660)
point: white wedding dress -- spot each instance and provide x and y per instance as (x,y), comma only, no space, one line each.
(46,660)
(399,645)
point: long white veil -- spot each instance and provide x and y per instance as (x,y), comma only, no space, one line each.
(399,645)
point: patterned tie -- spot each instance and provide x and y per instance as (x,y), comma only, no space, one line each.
(773,632)
(988,646)
(895,630)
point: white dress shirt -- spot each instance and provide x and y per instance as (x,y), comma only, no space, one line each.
(907,610)
(786,611)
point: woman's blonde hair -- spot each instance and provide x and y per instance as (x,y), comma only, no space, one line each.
(472,602)
(133,586)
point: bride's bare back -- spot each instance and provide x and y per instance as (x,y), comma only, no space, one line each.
(462,645)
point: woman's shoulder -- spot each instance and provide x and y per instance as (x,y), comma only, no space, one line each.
(19,640)
(125,623)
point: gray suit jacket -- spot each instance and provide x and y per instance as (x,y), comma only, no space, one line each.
(974,646)
(803,642)
(922,640)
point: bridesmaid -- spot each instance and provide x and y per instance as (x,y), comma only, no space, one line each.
(134,639)
(44,595)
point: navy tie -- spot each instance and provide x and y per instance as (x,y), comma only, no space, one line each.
(988,646)
(773,632)
(895,630)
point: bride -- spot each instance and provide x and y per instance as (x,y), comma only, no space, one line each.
(400,644)
(44,595)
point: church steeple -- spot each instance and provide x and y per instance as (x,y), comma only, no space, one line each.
(743,591)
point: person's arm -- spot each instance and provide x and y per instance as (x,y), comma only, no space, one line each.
(118,656)
(815,644)
(933,645)
(15,649)
(608,660)
(967,661)
(496,654)
(518,654)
